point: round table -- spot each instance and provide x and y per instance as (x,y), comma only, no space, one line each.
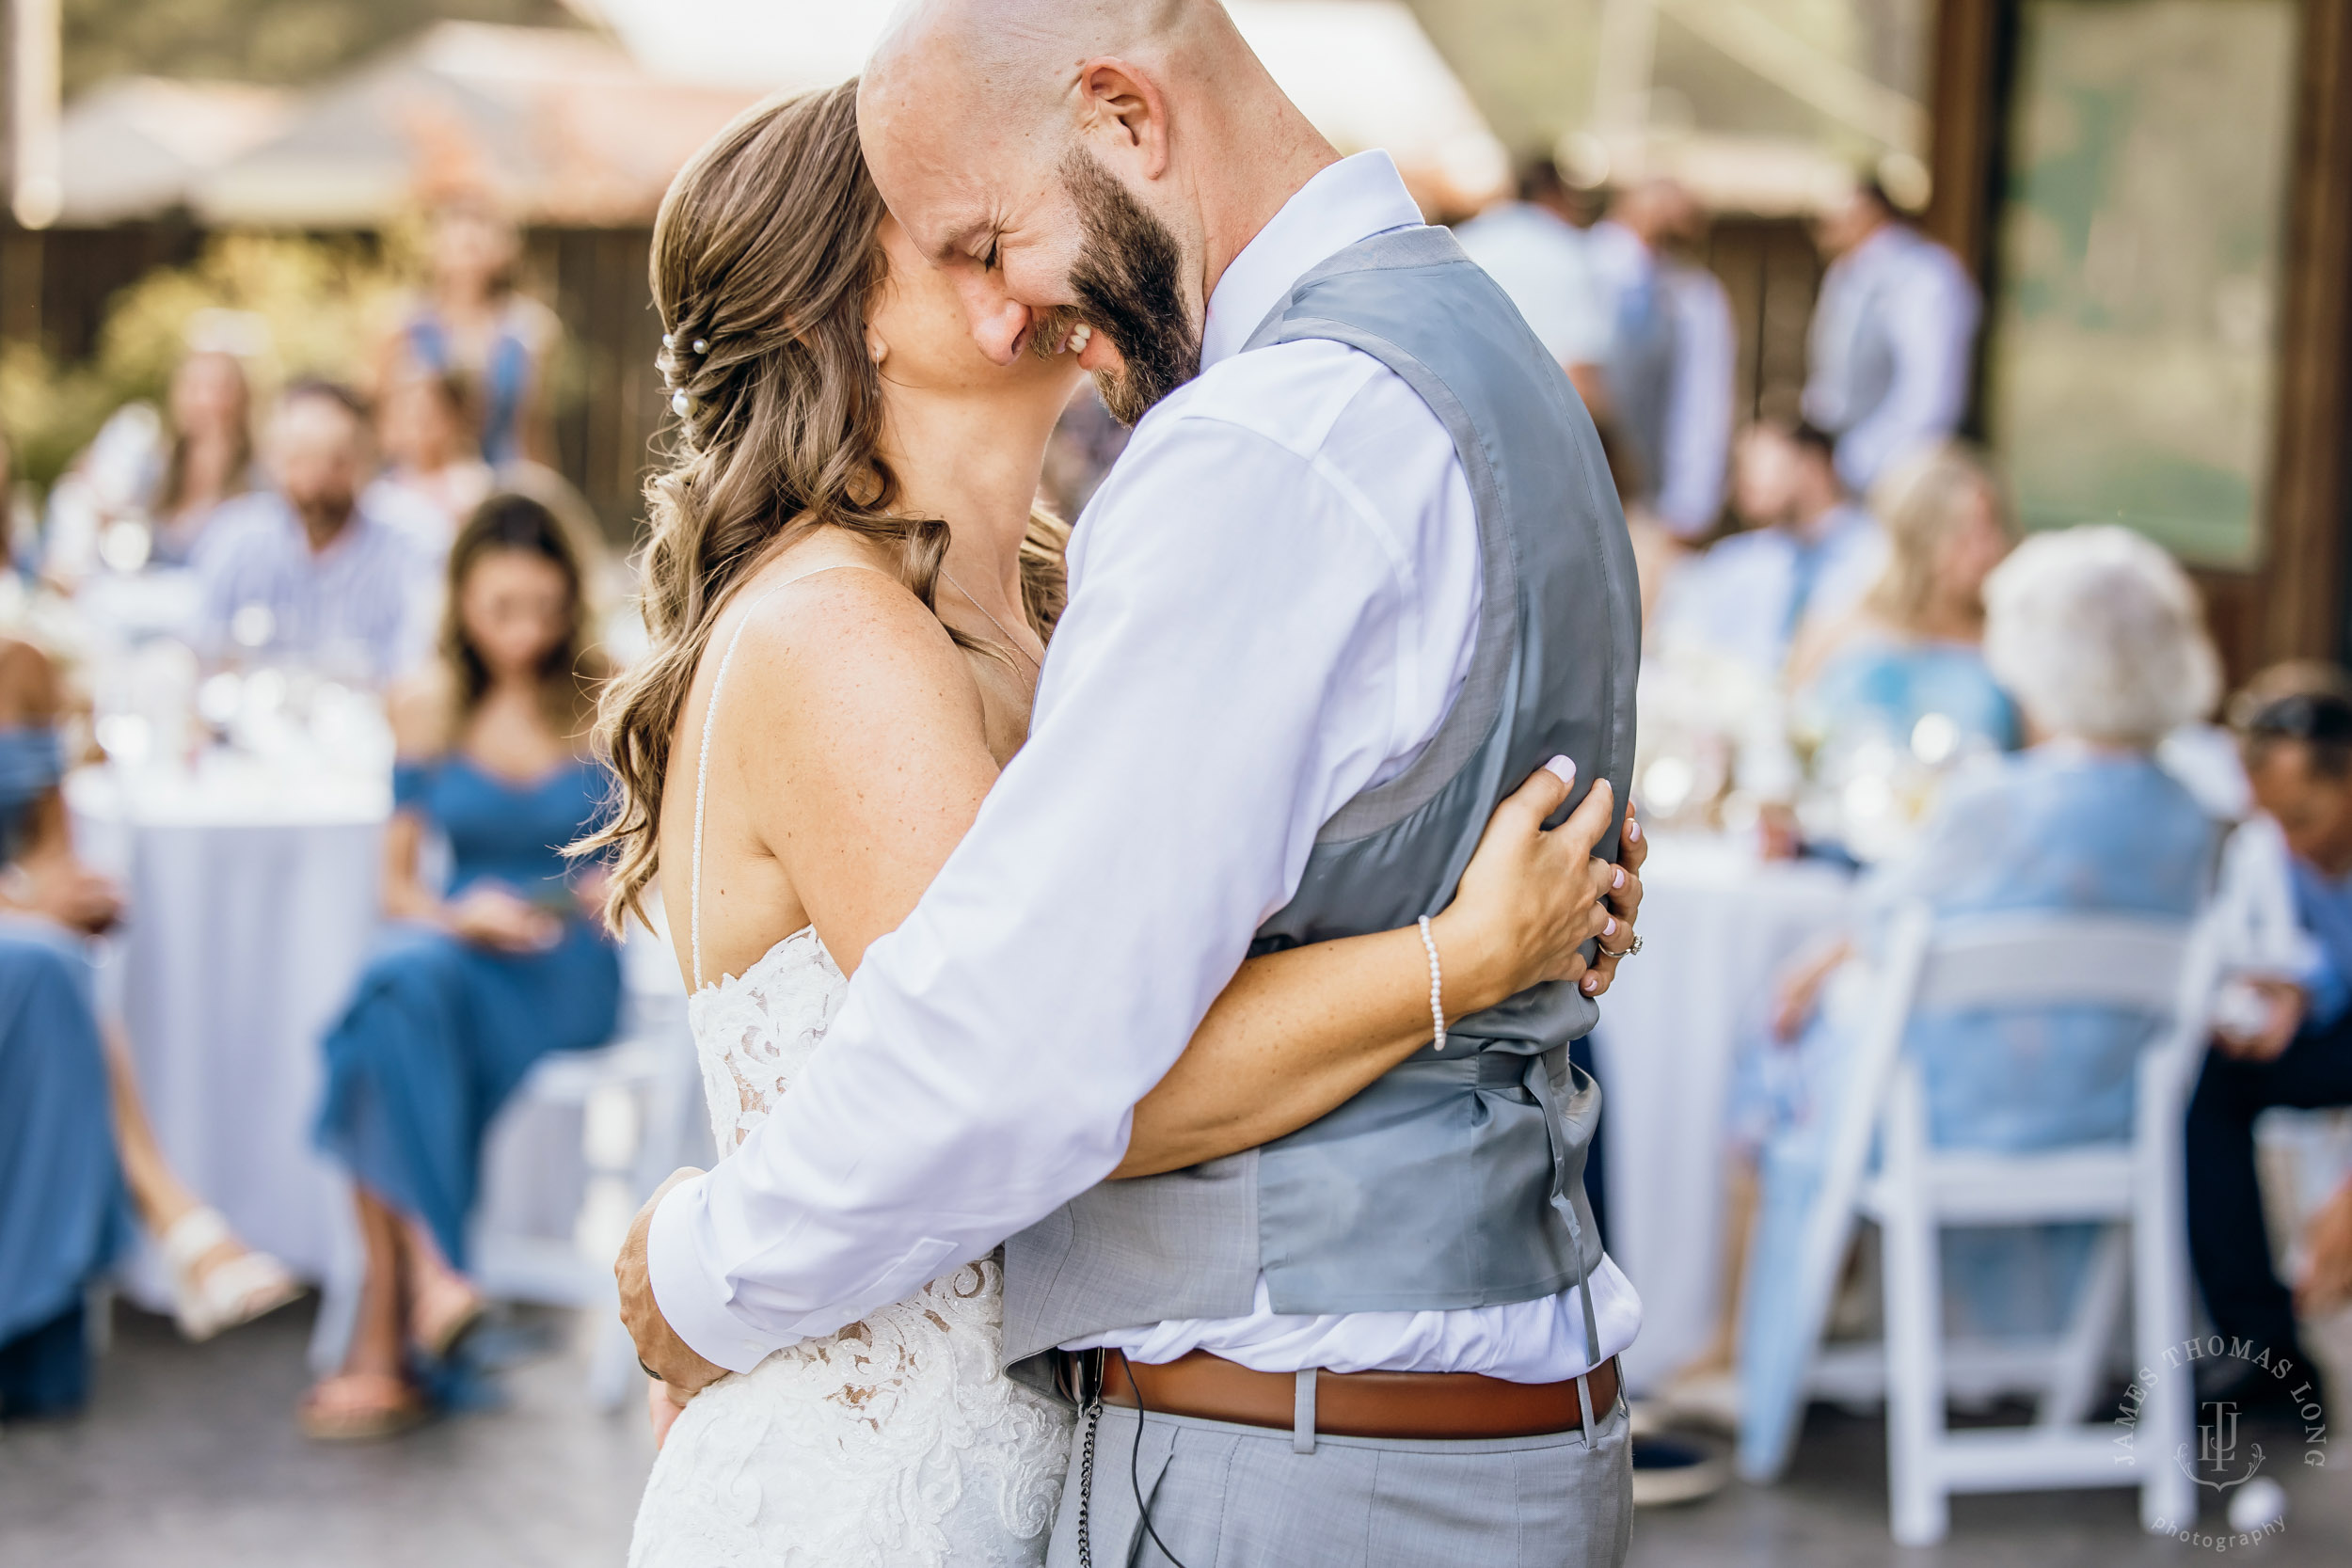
(1717,923)
(253,902)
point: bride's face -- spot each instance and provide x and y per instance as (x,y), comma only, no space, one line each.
(917,322)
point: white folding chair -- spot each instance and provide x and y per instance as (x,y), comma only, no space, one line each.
(2163,969)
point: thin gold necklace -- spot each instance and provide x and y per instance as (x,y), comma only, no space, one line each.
(1010,641)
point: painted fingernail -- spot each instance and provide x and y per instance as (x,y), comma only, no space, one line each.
(1633,830)
(1592,983)
(1618,880)
(1563,769)
(1609,926)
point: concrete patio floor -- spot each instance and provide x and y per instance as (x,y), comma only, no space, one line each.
(189,1459)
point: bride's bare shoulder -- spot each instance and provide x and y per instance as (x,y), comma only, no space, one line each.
(835,648)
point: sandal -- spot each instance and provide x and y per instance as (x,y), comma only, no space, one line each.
(442,1314)
(229,1293)
(361,1407)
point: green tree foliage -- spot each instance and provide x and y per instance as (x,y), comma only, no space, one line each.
(258,40)
(316,306)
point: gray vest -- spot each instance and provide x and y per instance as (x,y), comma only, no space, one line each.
(1456,1180)
(1640,369)
(1852,350)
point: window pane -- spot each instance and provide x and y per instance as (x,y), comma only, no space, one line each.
(2132,374)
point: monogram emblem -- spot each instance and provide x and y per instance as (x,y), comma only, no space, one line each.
(2218,1465)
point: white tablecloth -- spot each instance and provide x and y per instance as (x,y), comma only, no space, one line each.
(253,902)
(1716,924)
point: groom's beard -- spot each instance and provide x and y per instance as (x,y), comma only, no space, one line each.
(1130,282)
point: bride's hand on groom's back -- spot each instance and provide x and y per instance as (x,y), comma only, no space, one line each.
(1531,897)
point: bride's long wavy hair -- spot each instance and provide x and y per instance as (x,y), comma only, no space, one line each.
(765,255)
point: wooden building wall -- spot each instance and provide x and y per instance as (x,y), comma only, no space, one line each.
(56,286)
(2295,603)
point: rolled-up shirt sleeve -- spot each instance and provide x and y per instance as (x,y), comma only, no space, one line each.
(1223,678)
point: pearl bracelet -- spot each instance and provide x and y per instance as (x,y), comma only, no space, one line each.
(1436,984)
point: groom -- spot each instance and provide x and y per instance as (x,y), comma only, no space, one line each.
(1358,574)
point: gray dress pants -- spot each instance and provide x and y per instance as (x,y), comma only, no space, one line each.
(1238,1496)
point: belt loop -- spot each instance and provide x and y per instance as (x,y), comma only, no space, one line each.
(1303,1413)
(1585,1403)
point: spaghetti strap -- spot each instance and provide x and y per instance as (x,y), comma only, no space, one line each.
(702,762)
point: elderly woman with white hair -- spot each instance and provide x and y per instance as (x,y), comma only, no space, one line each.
(2100,638)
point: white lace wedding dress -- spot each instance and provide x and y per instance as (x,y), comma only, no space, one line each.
(897,1441)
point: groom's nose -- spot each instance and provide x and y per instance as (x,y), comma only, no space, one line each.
(1000,321)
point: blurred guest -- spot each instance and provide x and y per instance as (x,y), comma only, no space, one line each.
(172,475)
(1892,334)
(1807,557)
(1670,359)
(2298,757)
(20,529)
(307,569)
(210,458)
(79,1163)
(1531,246)
(2100,637)
(1915,645)
(475,320)
(434,475)
(62,1215)
(474,984)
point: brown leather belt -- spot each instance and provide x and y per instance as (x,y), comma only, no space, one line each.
(1433,1405)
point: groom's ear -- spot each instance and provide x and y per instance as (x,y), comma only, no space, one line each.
(1123,117)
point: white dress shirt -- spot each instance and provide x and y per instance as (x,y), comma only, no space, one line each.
(1698,400)
(1890,348)
(1693,434)
(358,608)
(1750,594)
(1540,260)
(1273,600)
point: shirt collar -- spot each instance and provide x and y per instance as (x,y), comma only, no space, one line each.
(1350,201)
(1886,239)
(297,538)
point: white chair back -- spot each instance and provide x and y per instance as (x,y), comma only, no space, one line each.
(2121,961)
(2162,968)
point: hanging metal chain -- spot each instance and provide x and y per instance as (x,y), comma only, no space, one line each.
(1085,1480)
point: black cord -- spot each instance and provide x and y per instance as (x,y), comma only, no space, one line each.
(1135,1467)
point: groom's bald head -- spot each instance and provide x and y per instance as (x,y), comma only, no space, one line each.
(1006,51)
(1082,161)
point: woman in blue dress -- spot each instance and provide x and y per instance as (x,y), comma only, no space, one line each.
(2100,637)
(1914,648)
(79,1163)
(473,984)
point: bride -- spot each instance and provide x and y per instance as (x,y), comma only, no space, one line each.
(849,591)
